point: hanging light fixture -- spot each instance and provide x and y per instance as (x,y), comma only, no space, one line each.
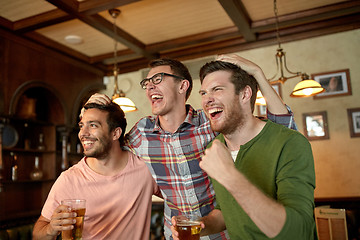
(119,96)
(304,88)
(260,100)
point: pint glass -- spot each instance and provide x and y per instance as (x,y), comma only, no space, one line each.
(188,227)
(78,206)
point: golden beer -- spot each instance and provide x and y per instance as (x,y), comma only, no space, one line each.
(77,206)
(76,232)
(188,230)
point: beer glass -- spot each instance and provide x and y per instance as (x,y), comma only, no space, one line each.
(78,206)
(188,227)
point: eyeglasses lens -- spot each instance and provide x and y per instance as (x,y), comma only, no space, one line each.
(156,79)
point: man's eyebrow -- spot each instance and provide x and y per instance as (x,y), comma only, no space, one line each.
(91,121)
(95,121)
(211,89)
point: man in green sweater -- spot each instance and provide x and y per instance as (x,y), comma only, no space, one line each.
(263,173)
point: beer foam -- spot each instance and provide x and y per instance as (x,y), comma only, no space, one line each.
(187,223)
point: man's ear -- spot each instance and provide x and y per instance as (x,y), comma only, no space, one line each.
(117,133)
(246,94)
(185,84)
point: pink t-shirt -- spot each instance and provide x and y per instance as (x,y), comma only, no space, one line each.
(117,207)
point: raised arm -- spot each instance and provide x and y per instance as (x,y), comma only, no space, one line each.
(274,103)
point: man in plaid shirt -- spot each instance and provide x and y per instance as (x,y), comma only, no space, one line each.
(172,141)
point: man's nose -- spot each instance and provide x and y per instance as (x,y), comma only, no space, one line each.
(84,131)
(207,99)
(150,85)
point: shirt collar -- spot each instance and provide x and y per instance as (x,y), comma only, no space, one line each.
(192,118)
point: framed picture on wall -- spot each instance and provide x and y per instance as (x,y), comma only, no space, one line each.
(354,121)
(336,83)
(262,108)
(316,126)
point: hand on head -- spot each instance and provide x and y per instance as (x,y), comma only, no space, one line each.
(248,66)
(98,98)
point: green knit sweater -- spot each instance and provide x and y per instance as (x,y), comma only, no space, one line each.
(278,161)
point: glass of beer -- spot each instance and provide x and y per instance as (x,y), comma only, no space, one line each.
(188,227)
(78,206)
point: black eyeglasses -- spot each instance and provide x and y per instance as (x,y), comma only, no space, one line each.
(157,78)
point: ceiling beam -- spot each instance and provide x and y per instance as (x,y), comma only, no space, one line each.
(41,20)
(6,23)
(101,24)
(178,43)
(104,26)
(90,7)
(196,39)
(306,16)
(243,35)
(238,14)
(264,39)
(69,6)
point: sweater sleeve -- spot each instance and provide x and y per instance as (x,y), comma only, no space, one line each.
(296,183)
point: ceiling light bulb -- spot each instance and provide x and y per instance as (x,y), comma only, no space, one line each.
(73,39)
(307,91)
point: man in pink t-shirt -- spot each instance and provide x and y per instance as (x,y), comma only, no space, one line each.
(116,184)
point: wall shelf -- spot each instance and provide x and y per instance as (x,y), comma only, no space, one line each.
(25,197)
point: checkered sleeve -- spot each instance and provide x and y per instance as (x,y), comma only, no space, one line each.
(284,119)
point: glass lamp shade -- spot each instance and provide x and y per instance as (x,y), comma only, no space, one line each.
(307,88)
(125,103)
(260,100)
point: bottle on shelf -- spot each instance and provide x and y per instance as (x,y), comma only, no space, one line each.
(26,137)
(36,173)
(41,145)
(14,167)
(68,147)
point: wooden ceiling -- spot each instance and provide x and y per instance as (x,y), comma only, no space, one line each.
(181,29)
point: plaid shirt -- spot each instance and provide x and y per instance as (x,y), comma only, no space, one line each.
(173,160)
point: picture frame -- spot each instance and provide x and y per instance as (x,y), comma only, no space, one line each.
(316,126)
(262,108)
(336,83)
(354,121)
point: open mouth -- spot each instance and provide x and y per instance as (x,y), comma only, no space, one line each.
(215,112)
(156,97)
(87,144)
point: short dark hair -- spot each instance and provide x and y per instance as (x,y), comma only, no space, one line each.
(239,77)
(116,117)
(178,69)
